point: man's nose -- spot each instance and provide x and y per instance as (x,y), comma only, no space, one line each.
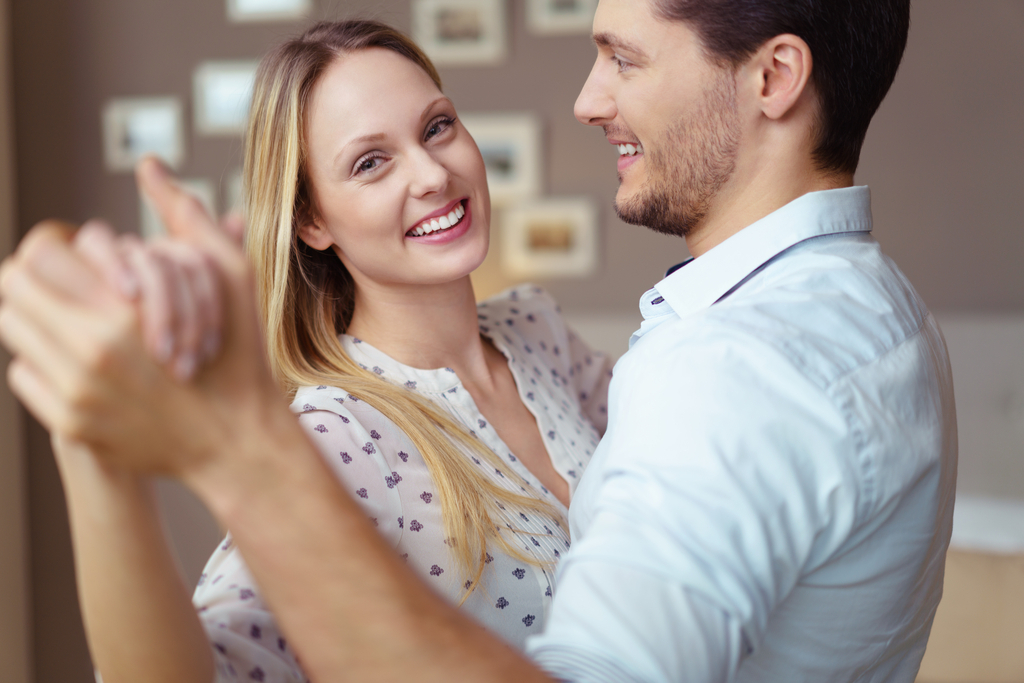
(595,105)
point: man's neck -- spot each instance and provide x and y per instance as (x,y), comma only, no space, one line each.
(747,199)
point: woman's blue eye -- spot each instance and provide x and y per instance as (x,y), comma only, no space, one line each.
(370,163)
(438,126)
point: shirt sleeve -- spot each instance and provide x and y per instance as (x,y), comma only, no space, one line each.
(724,478)
(246,642)
(701,641)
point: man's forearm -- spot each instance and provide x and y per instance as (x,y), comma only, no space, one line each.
(349,605)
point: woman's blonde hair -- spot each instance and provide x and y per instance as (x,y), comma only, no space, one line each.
(306,296)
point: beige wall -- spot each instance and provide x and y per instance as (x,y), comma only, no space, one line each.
(15,659)
(943,159)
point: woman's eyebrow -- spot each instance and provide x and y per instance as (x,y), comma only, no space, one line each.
(430,107)
(612,42)
(372,138)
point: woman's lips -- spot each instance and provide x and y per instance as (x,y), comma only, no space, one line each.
(449,234)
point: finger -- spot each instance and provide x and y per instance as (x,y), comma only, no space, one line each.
(187,325)
(96,241)
(207,295)
(157,309)
(60,377)
(29,342)
(46,232)
(182,213)
(47,253)
(233,226)
(37,396)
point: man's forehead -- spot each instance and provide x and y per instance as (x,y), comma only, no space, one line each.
(634,26)
(613,41)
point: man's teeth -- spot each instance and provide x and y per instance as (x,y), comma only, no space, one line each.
(630,150)
(439,223)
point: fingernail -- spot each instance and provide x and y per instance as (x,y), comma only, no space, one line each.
(155,166)
(128,284)
(185,366)
(165,347)
(211,345)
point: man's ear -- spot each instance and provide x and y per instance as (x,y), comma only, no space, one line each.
(783,67)
(314,234)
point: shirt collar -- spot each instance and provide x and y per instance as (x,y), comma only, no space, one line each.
(706,279)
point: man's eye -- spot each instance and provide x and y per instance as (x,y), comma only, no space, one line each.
(621,63)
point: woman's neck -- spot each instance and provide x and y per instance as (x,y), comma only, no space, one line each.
(427,327)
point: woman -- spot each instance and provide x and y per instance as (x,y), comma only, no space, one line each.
(461,430)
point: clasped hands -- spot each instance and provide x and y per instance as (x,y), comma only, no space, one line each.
(143,352)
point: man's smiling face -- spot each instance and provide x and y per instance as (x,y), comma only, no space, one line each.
(670,111)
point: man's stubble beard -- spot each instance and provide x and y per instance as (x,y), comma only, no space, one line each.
(688,166)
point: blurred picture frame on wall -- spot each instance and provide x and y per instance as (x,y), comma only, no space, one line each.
(560,17)
(222,93)
(550,238)
(244,11)
(135,126)
(461,32)
(510,146)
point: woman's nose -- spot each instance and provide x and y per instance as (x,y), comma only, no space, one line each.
(429,175)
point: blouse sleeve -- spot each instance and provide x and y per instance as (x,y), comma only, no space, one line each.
(354,453)
(246,642)
(589,371)
(591,374)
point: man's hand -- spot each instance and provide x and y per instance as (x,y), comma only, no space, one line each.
(81,364)
(176,288)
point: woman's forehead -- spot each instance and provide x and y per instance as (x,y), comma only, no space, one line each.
(365,94)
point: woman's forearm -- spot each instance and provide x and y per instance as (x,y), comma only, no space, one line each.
(138,615)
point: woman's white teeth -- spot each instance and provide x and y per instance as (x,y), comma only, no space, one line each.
(630,150)
(440,223)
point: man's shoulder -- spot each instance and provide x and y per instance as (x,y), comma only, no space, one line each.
(827,307)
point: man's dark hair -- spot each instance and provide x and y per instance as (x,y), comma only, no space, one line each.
(856,47)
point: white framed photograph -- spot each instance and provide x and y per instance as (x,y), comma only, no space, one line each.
(150,224)
(135,126)
(560,17)
(241,11)
(550,238)
(461,32)
(510,145)
(223,92)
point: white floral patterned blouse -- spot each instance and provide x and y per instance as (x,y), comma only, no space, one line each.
(561,381)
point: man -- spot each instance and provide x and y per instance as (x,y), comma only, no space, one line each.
(772,500)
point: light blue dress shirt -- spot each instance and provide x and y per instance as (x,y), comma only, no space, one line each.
(773,498)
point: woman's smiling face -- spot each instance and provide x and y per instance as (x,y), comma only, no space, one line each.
(399,186)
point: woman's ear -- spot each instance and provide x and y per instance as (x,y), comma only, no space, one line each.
(314,234)
(783,65)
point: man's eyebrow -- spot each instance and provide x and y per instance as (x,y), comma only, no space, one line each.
(613,42)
